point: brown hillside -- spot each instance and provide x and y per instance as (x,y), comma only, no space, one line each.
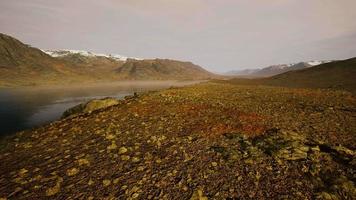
(334,75)
(158,69)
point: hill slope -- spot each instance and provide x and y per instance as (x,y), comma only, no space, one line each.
(337,75)
(14,54)
(333,75)
(274,69)
(161,69)
(22,65)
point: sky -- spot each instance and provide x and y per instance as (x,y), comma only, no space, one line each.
(220,35)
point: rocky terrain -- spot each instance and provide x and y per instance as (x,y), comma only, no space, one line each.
(23,65)
(208,141)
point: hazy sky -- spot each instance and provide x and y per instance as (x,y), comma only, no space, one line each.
(219,35)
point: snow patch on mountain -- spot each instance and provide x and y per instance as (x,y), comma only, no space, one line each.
(66,52)
(317,62)
(276,69)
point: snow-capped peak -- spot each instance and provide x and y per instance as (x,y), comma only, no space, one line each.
(66,52)
(317,62)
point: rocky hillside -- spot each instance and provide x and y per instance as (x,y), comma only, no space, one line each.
(21,65)
(333,75)
(209,141)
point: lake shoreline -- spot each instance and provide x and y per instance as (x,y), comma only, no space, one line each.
(68,85)
(24,108)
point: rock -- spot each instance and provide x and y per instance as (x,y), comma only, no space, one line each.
(55,189)
(22,172)
(83,161)
(135,195)
(140,168)
(198,195)
(122,150)
(214,164)
(135,159)
(116,181)
(106,182)
(90,182)
(112,146)
(90,106)
(72,171)
(125,157)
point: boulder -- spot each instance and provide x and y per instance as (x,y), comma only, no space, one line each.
(90,106)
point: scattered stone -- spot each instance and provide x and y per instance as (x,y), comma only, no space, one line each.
(106,182)
(55,189)
(90,182)
(135,195)
(125,157)
(122,150)
(83,161)
(198,195)
(112,146)
(135,159)
(72,171)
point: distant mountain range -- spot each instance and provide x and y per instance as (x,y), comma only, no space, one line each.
(66,53)
(22,65)
(332,75)
(274,69)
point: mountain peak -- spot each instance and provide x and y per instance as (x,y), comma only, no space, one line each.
(277,69)
(68,52)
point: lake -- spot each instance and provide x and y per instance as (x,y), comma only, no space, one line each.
(25,108)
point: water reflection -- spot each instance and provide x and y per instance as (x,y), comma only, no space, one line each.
(26,108)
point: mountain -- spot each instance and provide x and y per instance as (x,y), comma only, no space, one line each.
(338,75)
(69,53)
(333,75)
(21,65)
(100,66)
(161,69)
(129,68)
(243,72)
(274,69)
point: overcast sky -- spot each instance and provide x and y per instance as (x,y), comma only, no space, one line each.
(219,35)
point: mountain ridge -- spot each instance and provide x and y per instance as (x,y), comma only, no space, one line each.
(23,65)
(338,75)
(274,69)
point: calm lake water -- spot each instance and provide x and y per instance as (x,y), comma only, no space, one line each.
(22,109)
